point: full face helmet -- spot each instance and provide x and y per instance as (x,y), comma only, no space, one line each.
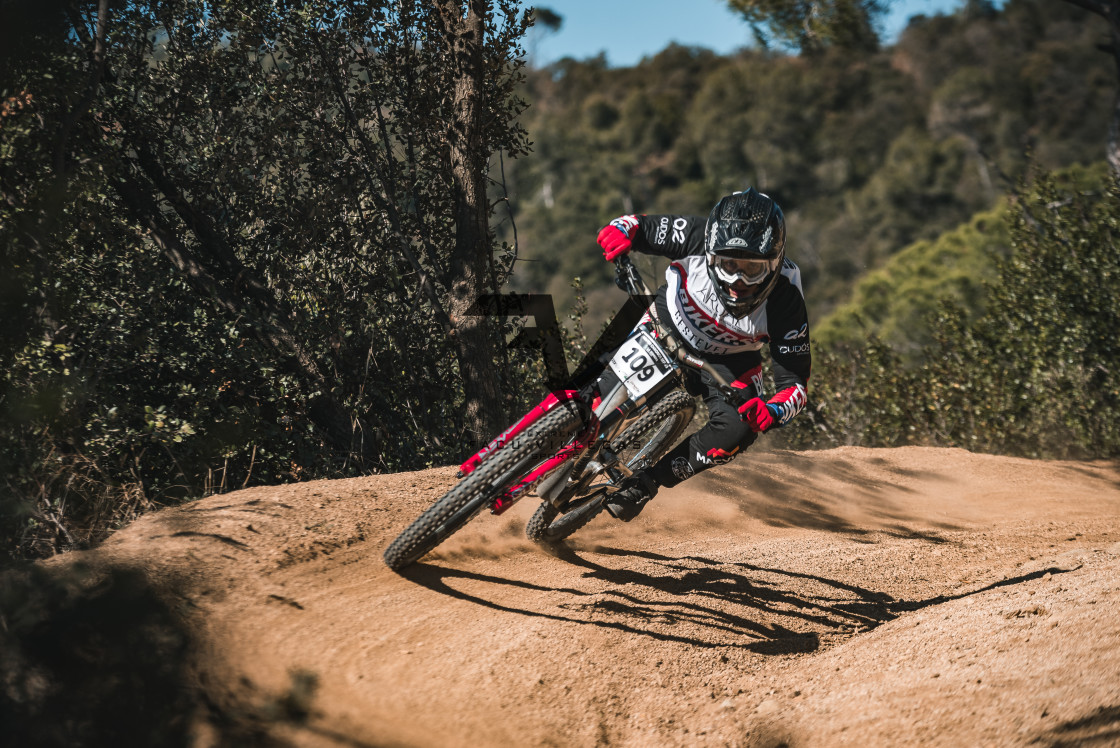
(745,242)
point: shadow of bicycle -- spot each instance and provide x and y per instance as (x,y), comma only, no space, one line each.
(693,600)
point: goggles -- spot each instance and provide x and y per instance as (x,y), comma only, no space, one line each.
(748,270)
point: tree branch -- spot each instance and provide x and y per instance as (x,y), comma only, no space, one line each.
(1102,8)
(338,425)
(386,205)
(97,69)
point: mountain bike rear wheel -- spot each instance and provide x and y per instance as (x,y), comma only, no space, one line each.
(643,442)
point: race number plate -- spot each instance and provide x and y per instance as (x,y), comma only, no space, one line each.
(641,363)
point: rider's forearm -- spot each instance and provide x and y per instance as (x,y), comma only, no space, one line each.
(672,236)
(792,389)
(790,370)
(789,401)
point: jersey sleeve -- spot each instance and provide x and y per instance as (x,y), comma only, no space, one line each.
(788,331)
(675,237)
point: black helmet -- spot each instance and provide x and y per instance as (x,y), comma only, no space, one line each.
(745,243)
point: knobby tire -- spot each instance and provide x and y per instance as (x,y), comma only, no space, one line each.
(482,485)
(666,421)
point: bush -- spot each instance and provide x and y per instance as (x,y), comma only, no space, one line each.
(1035,374)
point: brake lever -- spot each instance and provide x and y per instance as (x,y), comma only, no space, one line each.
(627,277)
(624,274)
(735,397)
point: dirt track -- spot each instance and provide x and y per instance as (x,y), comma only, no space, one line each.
(849,597)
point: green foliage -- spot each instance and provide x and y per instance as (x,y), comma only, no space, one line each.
(867,151)
(547,18)
(231,233)
(811,27)
(896,302)
(1052,387)
(858,395)
(1034,374)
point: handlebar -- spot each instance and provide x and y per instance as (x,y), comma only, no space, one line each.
(627,277)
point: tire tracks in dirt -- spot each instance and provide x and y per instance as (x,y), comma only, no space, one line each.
(848,597)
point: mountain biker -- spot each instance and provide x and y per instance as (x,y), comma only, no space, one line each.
(730,288)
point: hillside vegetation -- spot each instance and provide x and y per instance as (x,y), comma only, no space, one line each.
(1025,364)
(959,261)
(867,152)
(898,301)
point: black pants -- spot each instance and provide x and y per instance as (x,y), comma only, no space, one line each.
(724,436)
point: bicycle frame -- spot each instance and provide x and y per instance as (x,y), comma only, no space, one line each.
(612,413)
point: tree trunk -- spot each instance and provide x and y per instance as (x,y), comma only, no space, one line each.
(1109,10)
(476,338)
(1114,138)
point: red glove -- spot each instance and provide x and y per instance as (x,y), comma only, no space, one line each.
(757,414)
(615,238)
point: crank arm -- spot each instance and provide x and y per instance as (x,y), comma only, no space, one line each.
(599,494)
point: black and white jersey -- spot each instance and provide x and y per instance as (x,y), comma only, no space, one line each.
(707,327)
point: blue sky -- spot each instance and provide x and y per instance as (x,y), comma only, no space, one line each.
(631,29)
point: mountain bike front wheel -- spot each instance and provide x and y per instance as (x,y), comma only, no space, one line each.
(486,482)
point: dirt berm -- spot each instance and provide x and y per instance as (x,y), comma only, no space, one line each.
(854,596)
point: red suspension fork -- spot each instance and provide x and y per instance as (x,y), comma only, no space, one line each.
(550,402)
(510,496)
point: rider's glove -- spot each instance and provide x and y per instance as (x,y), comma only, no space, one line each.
(615,238)
(759,415)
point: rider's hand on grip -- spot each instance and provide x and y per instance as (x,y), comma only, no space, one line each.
(615,238)
(759,415)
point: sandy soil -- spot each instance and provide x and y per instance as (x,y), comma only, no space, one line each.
(848,597)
